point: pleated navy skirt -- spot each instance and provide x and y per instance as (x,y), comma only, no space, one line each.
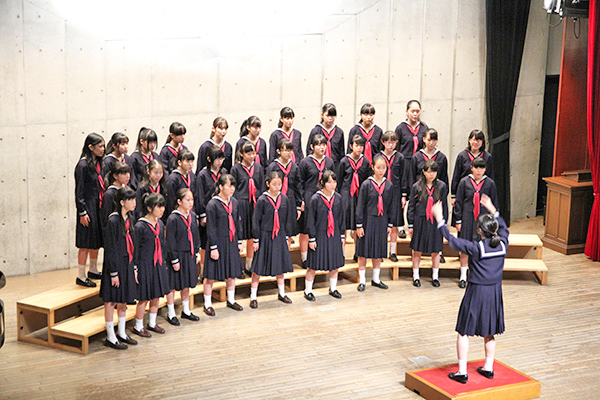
(481,311)
(273,256)
(187,276)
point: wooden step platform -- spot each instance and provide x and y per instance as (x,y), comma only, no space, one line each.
(507,384)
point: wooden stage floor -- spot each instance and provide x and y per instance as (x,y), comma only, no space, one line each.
(358,347)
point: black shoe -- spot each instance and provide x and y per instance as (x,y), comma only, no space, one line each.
(416,283)
(402,234)
(486,373)
(309,296)
(86,283)
(455,376)
(117,345)
(284,299)
(253,304)
(132,303)
(335,294)
(462,284)
(127,339)
(94,275)
(442,259)
(393,257)
(361,287)
(248,273)
(435,283)
(173,321)
(190,316)
(235,306)
(380,285)
(305,264)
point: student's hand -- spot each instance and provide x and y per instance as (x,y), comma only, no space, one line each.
(176,266)
(403,202)
(84,220)
(438,211)
(214,254)
(458,227)
(302,207)
(343,242)
(410,232)
(114,280)
(203,221)
(453,201)
(299,215)
(360,232)
(389,231)
(312,245)
(135,273)
(255,246)
(240,247)
(487,203)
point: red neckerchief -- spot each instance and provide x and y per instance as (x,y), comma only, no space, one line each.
(329,205)
(426,157)
(476,199)
(152,190)
(128,240)
(415,136)
(147,159)
(173,151)
(472,156)
(100,181)
(188,224)
(229,210)
(320,165)
(368,137)
(251,184)
(276,205)
(286,171)
(379,189)
(157,247)
(187,180)
(428,209)
(291,139)
(329,136)
(355,167)
(215,177)
(389,163)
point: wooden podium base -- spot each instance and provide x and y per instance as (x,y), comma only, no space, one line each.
(508,383)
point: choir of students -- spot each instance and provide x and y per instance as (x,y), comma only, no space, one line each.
(365,189)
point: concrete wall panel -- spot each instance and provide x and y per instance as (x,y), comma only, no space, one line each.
(339,64)
(301,71)
(469,62)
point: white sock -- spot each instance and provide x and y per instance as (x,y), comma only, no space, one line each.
(435,273)
(94,265)
(139,324)
(362,274)
(248,263)
(281,290)
(81,272)
(171,308)
(151,320)
(462,367)
(110,332)
(463,273)
(231,296)
(489,364)
(121,327)
(253,293)
(333,284)
(308,287)
(186,307)
(304,255)
(416,274)
(207,301)
(393,247)
(376,272)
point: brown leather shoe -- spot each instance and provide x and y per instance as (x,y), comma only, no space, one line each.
(253,304)
(156,329)
(209,311)
(284,299)
(235,306)
(142,332)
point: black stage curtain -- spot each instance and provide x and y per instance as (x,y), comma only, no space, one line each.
(506,24)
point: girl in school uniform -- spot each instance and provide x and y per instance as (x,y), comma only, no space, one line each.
(311,171)
(327,235)
(170,151)
(374,214)
(290,183)
(114,180)
(223,263)
(118,286)
(144,153)
(467,209)
(116,150)
(429,152)
(368,130)
(481,311)
(394,161)
(217,138)
(89,190)
(411,132)
(154,182)
(150,264)
(333,134)
(271,253)
(353,170)
(249,133)
(425,238)
(286,131)
(182,244)
(180,177)
(249,176)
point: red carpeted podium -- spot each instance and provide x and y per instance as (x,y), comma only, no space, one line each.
(508,383)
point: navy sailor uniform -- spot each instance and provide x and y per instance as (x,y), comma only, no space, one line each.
(418,161)
(335,142)
(410,140)
(295,137)
(247,202)
(89,189)
(464,207)
(180,249)
(329,254)
(205,185)
(374,214)
(396,172)
(150,256)
(107,205)
(351,174)
(177,180)
(138,165)
(372,137)
(261,149)
(168,156)
(426,238)
(310,171)
(203,152)
(147,189)
(290,176)
(111,159)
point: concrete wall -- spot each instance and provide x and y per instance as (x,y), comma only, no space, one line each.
(60,80)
